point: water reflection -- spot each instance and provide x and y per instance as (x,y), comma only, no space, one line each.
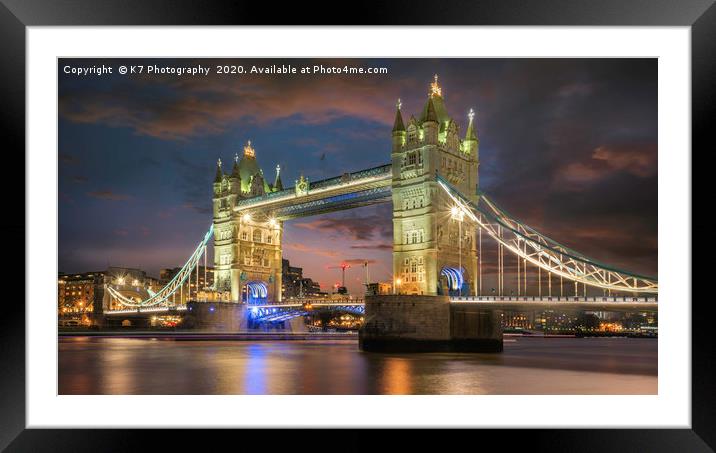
(255,371)
(396,379)
(528,366)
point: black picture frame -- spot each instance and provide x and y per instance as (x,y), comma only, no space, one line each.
(16,15)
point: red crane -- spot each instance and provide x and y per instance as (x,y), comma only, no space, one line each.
(343,268)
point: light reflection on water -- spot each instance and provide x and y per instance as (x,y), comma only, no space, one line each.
(527,366)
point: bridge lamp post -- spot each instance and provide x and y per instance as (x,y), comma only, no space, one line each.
(457,214)
(246,217)
(397,285)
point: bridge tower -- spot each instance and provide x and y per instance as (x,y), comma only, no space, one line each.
(426,247)
(247,245)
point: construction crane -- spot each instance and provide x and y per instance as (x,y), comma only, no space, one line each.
(343,268)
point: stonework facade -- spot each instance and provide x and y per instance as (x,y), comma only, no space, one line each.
(247,247)
(426,238)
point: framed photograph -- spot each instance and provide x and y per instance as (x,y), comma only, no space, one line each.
(251,224)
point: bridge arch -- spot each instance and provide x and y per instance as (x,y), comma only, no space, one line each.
(454,277)
(256,292)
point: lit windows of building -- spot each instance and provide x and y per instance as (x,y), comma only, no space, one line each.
(415,236)
(76,292)
(413,272)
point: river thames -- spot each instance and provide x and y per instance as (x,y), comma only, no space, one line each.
(528,365)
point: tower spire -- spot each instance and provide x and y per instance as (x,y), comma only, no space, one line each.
(398,125)
(235,169)
(430,114)
(278,185)
(219,173)
(249,151)
(435,89)
(471,134)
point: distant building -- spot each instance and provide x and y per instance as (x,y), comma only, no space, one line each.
(153,284)
(518,320)
(378,288)
(129,281)
(311,288)
(295,285)
(292,277)
(76,292)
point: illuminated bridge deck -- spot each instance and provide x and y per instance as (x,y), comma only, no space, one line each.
(599,303)
(313,303)
(350,190)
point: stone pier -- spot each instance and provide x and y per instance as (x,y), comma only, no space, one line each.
(216,316)
(402,323)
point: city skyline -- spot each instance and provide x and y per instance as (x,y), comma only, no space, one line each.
(137,157)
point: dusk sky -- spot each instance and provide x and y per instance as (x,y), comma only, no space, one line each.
(567,145)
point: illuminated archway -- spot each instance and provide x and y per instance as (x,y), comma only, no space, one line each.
(256,292)
(454,277)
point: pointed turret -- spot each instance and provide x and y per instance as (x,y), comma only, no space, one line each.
(430,114)
(471,141)
(219,173)
(277,184)
(248,167)
(439,114)
(235,169)
(398,125)
(398,129)
(430,124)
(471,134)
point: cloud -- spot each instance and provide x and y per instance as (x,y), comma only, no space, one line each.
(303,248)
(373,247)
(360,261)
(187,108)
(108,195)
(636,160)
(357,228)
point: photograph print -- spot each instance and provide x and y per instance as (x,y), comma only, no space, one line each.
(372,226)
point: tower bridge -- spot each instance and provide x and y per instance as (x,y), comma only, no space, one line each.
(442,224)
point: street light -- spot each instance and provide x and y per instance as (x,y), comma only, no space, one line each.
(246,217)
(397,285)
(457,214)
